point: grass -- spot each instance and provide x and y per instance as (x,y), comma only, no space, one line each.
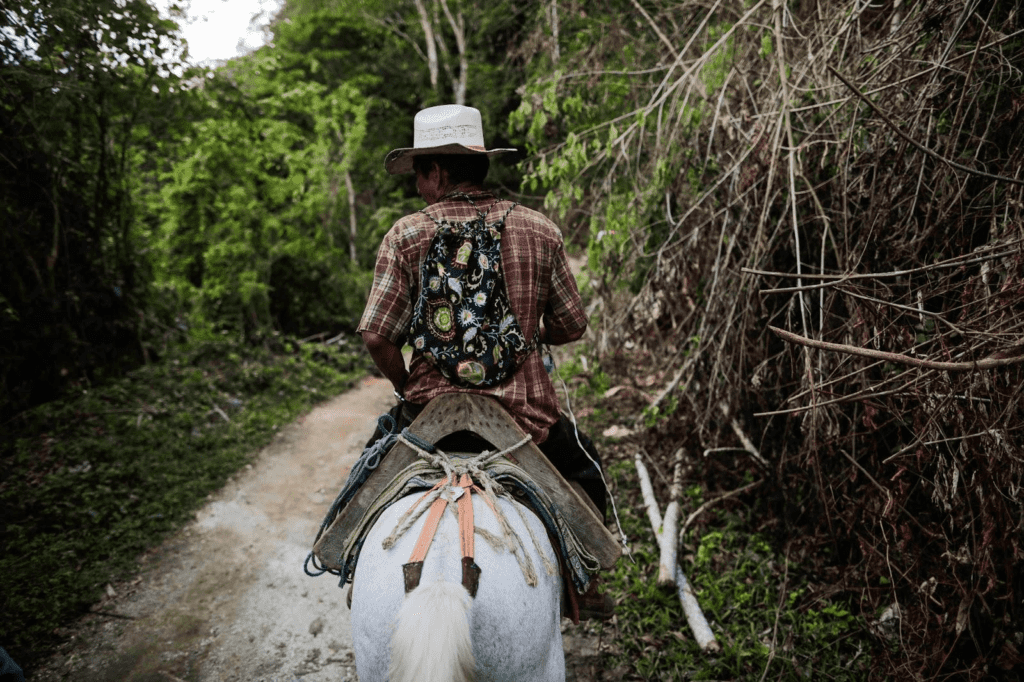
(762,605)
(91,481)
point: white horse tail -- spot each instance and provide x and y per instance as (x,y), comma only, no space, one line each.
(431,641)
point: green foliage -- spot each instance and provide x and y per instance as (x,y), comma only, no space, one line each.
(93,480)
(657,413)
(721,61)
(253,211)
(750,596)
(79,82)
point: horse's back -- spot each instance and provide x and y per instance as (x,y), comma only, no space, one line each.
(514,628)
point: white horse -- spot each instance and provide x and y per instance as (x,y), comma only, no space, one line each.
(510,631)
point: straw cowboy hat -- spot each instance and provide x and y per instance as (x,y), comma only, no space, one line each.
(445,129)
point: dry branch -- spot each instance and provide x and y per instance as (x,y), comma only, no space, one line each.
(748,444)
(978,256)
(691,608)
(918,145)
(791,173)
(986,363)
(647,492)
(710,503)
(670,525)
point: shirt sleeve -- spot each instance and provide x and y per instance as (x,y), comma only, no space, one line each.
(564,313)
(389,308)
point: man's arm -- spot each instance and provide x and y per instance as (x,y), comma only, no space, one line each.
(388,358)
(564,319)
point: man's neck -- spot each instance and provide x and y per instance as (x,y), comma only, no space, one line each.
(462,188)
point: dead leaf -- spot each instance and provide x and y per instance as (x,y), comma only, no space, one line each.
(616,431)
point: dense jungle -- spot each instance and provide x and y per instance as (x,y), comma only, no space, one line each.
(802,230)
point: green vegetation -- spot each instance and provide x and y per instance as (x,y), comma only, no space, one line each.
(755,600)
(96,478)
(760,600)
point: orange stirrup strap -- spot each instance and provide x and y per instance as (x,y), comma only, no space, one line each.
(419,552)
(470,571)
(466,516)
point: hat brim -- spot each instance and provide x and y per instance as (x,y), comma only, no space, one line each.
(399,161)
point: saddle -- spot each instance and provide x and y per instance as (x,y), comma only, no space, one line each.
(484,417)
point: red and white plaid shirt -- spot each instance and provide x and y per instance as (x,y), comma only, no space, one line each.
(539,283)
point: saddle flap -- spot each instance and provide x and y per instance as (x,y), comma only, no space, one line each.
(485,417)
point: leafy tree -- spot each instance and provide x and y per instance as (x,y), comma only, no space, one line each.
(252,203)
(79,80)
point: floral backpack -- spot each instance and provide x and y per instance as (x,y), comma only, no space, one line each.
(463,323)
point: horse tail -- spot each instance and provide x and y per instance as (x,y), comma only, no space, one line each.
(431,642)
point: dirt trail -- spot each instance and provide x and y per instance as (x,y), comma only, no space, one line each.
(226,598)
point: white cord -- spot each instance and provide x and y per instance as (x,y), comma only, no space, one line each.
(576,433)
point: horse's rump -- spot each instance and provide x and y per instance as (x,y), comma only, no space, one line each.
(514,628)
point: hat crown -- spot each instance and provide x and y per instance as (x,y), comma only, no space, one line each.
(448,124)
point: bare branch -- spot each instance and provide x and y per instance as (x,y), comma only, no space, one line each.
(915,143)
(986,363)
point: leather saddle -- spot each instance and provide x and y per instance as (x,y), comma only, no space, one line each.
(451,415)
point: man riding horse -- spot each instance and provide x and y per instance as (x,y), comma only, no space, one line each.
(475,327)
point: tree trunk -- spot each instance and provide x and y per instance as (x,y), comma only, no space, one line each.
(555,54)
(351,217)
(458,25)
(428,33)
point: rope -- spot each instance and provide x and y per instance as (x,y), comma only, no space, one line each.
(367,462)
(548,566)
(453,470)
(412,514)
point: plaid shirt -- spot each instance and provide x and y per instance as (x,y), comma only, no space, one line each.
(539,285)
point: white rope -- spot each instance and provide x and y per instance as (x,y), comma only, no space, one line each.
(548,566)
(576,433)
(410,516)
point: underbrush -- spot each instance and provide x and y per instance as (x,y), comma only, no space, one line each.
(767,599)
(92,480)
(757,601)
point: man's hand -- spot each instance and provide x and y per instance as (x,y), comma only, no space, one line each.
(388,358)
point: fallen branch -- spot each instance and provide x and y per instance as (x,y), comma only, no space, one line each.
(221,412)
(669,546)
(691,608)
(647,492)
(694,616)
(748,444)
(986,363)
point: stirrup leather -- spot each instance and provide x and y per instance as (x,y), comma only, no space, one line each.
(413,570)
